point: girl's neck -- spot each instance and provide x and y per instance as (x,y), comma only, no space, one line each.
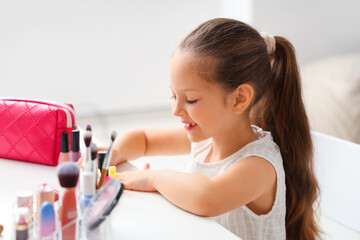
(228,143)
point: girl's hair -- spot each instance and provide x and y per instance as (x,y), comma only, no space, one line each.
(241,56)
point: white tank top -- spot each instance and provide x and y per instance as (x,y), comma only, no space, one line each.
(242,221)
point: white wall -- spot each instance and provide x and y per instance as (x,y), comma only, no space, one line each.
(103,56)
(112,56)
(317,28)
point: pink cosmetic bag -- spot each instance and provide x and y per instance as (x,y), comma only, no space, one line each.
(30,130)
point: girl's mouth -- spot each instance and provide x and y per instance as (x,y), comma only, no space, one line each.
(189,126)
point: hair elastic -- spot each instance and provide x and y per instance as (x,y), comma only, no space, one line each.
(270,42)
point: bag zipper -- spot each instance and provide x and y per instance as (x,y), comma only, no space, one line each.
(69,111)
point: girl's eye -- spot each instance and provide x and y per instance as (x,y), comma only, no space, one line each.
(173,97)
(191,101)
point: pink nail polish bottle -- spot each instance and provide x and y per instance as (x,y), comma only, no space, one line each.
(64,152)
(75,153)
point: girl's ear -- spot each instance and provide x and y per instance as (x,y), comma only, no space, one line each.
(242,97)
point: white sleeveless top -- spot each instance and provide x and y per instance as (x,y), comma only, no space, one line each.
(242,221)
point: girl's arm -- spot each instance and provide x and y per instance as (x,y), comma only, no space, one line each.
(246,181)
(151,142)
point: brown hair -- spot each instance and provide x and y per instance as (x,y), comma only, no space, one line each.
(241,57)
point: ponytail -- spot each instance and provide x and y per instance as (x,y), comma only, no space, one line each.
(283,113)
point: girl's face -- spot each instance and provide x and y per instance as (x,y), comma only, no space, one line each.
(203,106)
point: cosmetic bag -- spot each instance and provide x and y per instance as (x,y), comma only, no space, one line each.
(30,130)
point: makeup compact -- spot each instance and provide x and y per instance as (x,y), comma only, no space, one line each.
(102,204)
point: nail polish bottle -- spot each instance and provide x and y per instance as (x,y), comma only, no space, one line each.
(75,153)
(64,153)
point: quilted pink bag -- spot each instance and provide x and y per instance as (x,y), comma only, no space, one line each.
(31,130)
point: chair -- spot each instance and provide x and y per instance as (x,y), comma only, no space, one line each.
(337,167)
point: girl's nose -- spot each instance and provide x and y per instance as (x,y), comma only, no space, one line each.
(177,110)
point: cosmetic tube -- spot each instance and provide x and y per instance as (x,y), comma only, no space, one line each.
(75,153)
(44,193)
(88,179)
(21,224)
(47,230)
(25,199)
(64,153)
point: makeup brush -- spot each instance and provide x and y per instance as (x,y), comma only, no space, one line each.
(94,151)
(101,158)
(89,179)
(106,162)
(87,140)
(68,174)
(94,162)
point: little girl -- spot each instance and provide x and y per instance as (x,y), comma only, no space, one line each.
(238,94)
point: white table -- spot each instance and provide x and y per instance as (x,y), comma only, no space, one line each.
(138,215)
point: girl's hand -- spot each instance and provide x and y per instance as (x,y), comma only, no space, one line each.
(138,180)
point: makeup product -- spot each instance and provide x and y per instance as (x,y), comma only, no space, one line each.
(101,158)
(87,158)
(26,199)
(102,204)
(56,195)
(1,228)
(47,221)
(94,163)
(75,153)
(88,179)
(88,127)
(106,162)
(94,153)
(112,171)
(107,178)
(68,174)
(64,152)
(21,225)
(44,193)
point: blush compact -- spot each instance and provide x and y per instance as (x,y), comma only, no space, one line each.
(102,204)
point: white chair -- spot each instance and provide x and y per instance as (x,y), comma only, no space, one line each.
(337,167)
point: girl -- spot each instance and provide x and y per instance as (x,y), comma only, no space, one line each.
(257,181)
